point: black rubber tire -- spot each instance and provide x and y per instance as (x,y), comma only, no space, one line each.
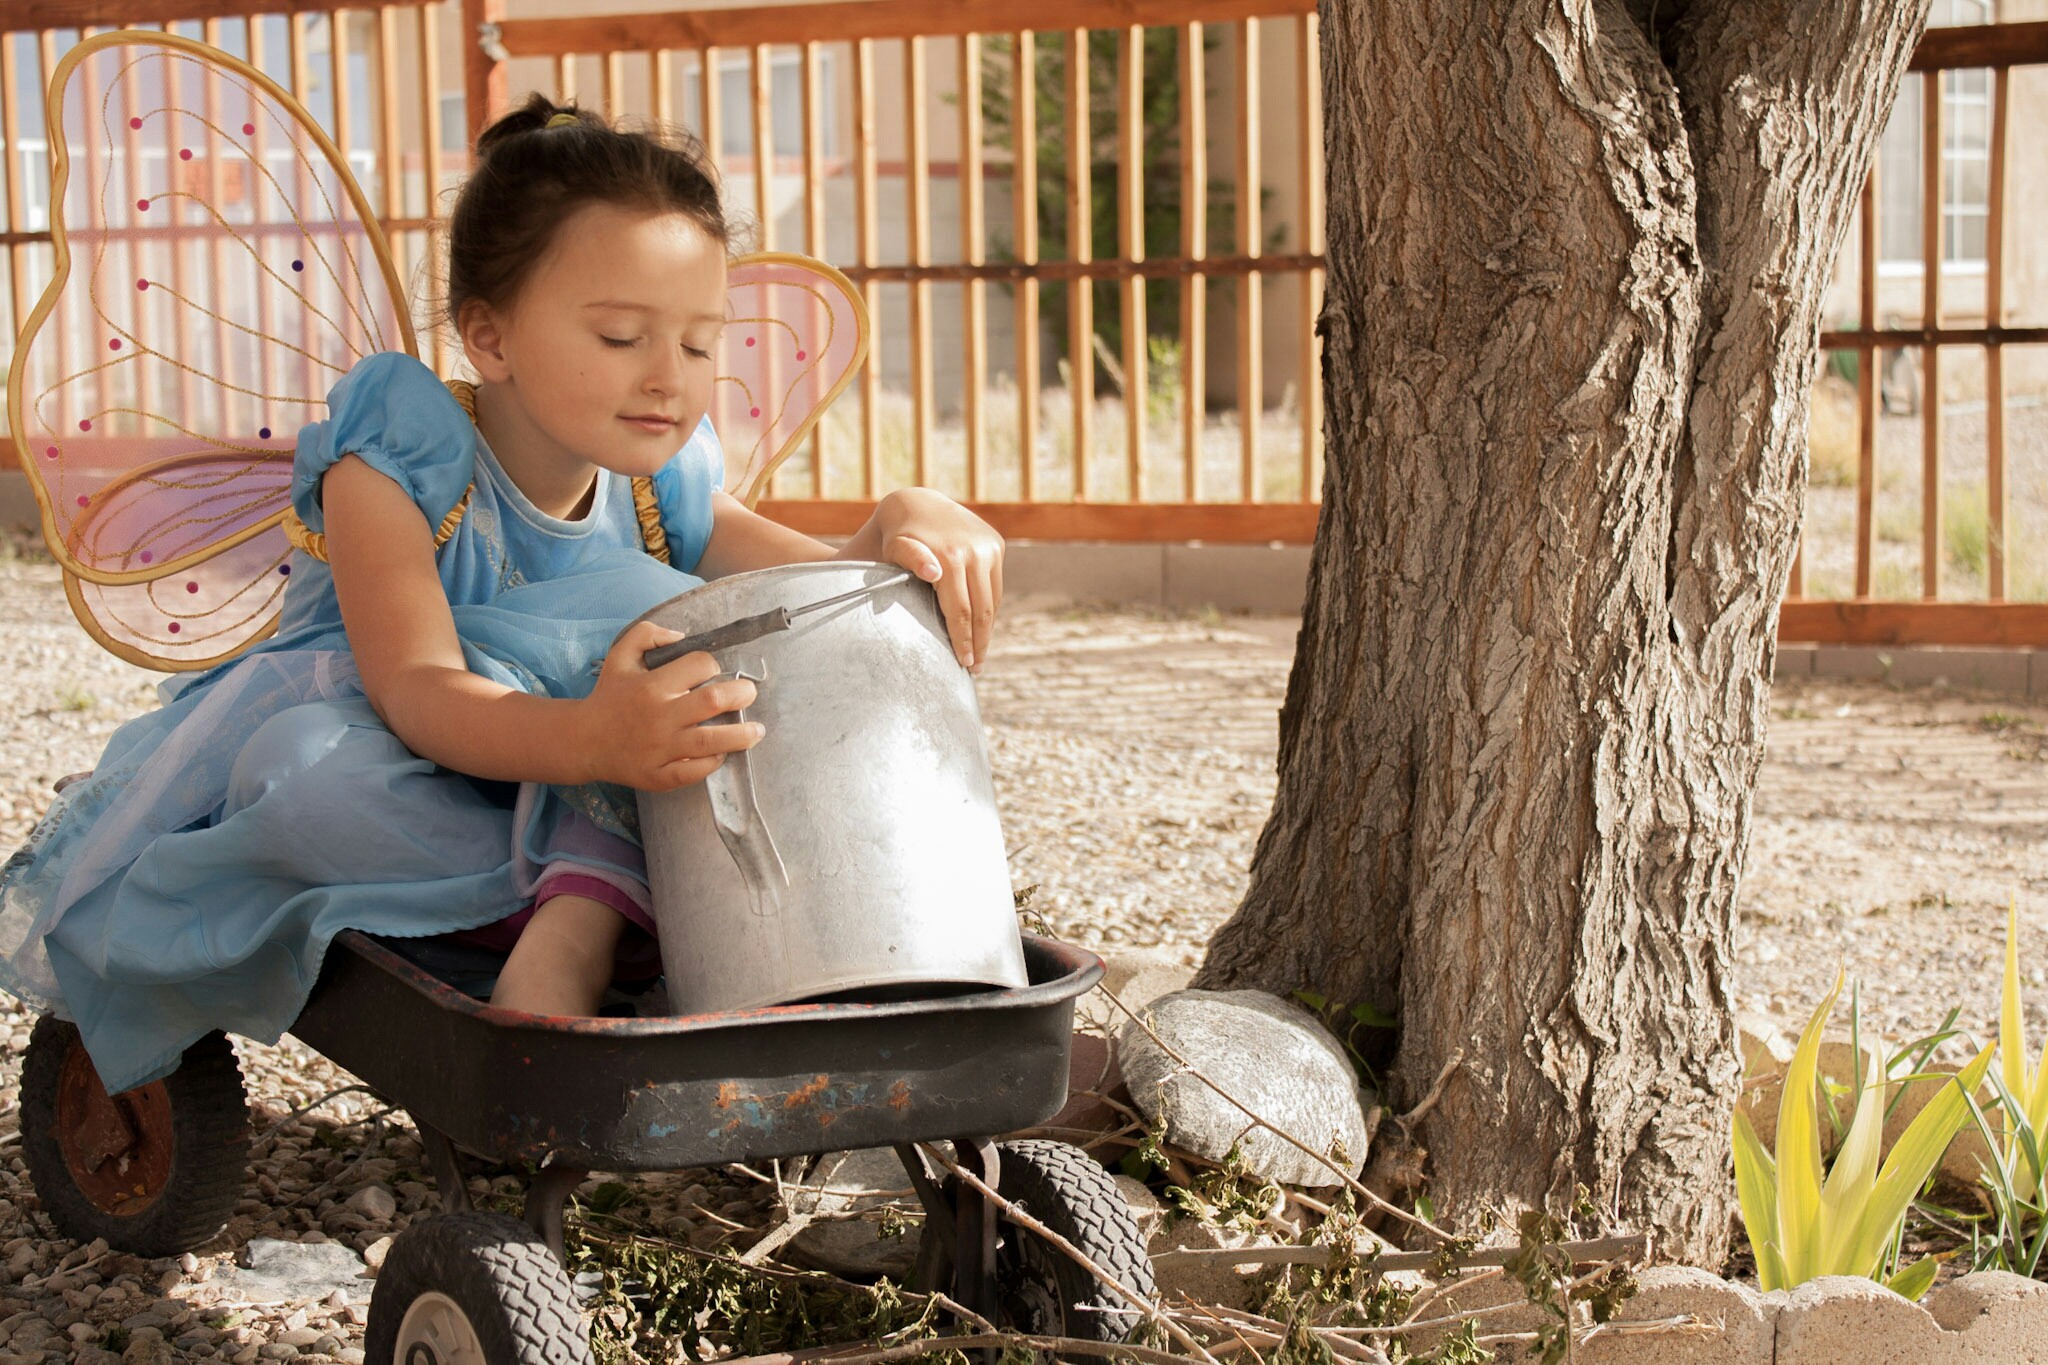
(1039,1288)
(499,1273)
(208,1130)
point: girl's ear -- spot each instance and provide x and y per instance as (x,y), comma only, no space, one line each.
(483,341)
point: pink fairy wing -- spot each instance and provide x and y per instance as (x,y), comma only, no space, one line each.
(217,270)
(796,334)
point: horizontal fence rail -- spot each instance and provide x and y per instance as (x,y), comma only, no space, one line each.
(1095,303)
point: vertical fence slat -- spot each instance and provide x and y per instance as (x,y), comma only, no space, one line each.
(10,147)
(301,62)
(1867,392)
(565,78)
(269,413)
(484,81)
(865,212)
(814,215)
(1309,383)
(429,40)
(614,84)
(1251,339)
(174,207)
(1131,219)
(216,185)
(1930,316)
(707,104)
(93,344)
(131,146)
(1194,239)
(917,183)
(390,153)
(1024,194)
(973,236)
(1994,355)
(1080,248)
(661,86)
(762,115)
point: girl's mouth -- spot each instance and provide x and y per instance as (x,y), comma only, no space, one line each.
(654,426)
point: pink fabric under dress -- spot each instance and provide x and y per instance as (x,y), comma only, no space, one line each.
(639,954)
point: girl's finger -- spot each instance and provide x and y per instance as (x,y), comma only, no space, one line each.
(913,554)
(981,608)
(639,638)
(703,741)
(683,771)
(956,605)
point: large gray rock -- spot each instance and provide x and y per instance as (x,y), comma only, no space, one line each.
(1266,1052)
(850,1197)
(272,1271)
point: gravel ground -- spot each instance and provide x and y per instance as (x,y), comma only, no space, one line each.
(1134,760)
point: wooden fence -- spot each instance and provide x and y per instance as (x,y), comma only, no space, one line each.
(968,390)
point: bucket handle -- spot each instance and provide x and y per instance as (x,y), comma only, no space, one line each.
(737,814)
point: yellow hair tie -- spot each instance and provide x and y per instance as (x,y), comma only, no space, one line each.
(563,120)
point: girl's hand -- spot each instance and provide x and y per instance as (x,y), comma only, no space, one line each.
(645,728)
(948,546)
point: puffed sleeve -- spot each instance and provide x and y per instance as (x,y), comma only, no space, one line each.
(391,412)
(683,489)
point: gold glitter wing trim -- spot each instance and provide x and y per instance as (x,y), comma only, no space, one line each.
(653,538)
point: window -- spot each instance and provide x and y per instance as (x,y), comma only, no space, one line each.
(1965,161)
(786,115)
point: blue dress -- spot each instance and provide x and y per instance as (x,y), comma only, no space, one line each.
(194,881)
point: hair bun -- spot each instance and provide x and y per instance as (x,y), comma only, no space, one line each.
(536,114)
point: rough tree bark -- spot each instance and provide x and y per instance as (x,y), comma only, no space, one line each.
(1577,252)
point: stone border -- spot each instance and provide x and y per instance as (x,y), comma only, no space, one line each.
(1988,1318)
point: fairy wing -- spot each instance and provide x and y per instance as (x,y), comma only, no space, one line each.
(796,334)
(217,268)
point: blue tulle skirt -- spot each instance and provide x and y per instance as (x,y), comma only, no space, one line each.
(194,881)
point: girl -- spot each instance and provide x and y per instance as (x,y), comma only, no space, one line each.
(422,748)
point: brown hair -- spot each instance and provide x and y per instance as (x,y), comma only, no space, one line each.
(535,168)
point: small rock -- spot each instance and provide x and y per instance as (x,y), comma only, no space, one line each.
(300,1336)
(326,1345)
(350,1355)
(188,1263)
(374,1202)
(147,1347)
(1271,1055)
(149,1319)
(278,1350)
(375,1252)
(1146,1210)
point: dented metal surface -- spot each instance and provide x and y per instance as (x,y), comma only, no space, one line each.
(662,1093)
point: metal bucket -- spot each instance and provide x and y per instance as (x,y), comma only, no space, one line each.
(855,850)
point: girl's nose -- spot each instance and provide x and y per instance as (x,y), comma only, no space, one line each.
(664,372)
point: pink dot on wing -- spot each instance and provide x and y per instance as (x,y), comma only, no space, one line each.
(83,500)
(135,123)
(799,355)
(184,153)
(191,587)
(753,412)
(50,452)
(114,345)
(142,206)
(750,341)
(142,284)
(147,556)
(249,129)
(174,627)
(85,424)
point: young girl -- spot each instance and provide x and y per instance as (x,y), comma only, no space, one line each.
(422,748)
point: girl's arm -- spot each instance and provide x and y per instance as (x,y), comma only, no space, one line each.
(637,727)
(918,529)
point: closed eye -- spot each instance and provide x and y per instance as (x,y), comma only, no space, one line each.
(621,342)
(697,352)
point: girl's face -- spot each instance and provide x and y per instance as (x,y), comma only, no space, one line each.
(607,347)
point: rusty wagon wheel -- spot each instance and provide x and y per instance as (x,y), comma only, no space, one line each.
(155,1170)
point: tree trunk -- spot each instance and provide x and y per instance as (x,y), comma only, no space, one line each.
(1577,256)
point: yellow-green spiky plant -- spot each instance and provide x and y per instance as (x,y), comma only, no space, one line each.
(1801,1225)
(2026,1094)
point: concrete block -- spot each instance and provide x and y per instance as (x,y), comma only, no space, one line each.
(1745,1319)
(1990,670)
(1257,578)
(2037,675)
(1067,572)
(1765,1052)
(17,502)
(1840,1318)
(2000,1317)
(1854,661)
(1793,661)
(1969,1155)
